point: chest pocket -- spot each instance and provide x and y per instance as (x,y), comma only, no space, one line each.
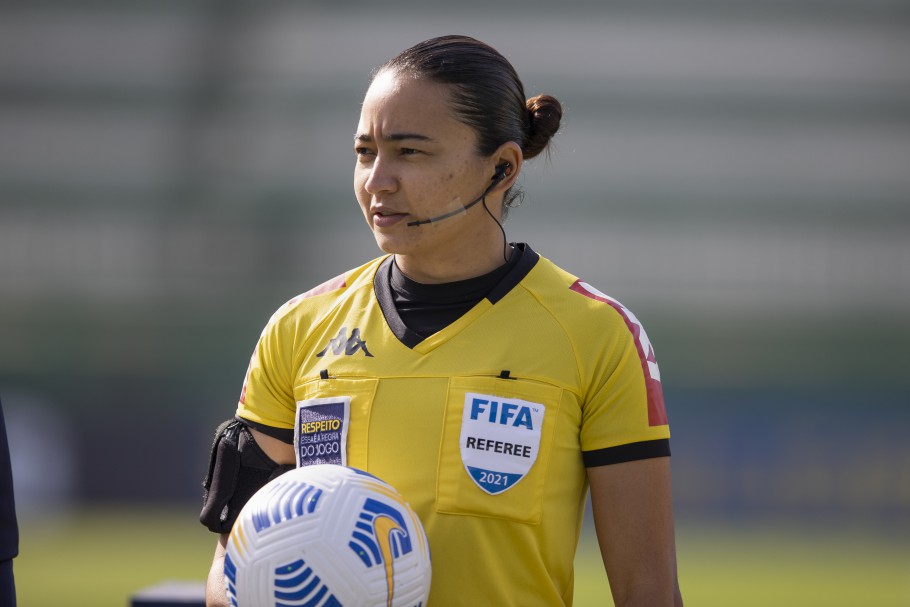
(496,446)
(361,392)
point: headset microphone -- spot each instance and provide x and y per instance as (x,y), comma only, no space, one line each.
(502,171)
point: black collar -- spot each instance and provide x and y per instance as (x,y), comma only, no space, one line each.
(382,287)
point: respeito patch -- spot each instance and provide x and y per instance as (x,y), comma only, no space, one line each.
(321,431)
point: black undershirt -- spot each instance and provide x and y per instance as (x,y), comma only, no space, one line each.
(428,308)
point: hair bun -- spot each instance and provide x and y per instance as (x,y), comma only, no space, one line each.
(544,116)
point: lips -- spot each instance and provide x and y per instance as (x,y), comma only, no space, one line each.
(384,218)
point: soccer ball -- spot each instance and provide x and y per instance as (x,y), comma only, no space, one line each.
(327,536)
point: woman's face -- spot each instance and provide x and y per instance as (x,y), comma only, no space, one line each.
(415,161)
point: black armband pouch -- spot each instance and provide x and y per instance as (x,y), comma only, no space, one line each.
(238,468)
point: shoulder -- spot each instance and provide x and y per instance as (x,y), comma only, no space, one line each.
(326,295)
(590,318)
(573,299)
(604,333)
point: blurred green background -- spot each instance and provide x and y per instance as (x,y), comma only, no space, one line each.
(737,173)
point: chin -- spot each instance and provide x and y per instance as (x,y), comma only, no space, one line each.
(390,245)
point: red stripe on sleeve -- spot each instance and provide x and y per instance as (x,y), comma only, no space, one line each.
(330,285)
(657,411)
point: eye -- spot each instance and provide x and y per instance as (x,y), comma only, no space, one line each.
(408,151)
(363,152)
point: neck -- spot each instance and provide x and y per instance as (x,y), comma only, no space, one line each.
(452,266)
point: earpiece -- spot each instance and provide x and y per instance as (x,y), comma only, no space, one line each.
(502,171)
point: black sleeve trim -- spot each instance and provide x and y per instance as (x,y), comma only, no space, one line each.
(627,453)
(285,435)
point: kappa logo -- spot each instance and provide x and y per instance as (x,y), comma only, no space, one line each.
(341,344)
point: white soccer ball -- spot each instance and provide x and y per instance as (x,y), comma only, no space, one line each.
(327,536)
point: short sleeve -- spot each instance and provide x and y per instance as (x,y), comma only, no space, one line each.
(624,416)
(267,396)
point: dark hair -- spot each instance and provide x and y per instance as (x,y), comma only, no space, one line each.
(487,93)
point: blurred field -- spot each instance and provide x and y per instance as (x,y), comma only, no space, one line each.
(98,558)
(775,565)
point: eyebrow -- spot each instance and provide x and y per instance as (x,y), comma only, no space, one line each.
(364,138)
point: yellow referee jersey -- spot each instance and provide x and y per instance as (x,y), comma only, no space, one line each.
(485,427)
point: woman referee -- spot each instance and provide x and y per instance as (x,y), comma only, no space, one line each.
(487,385)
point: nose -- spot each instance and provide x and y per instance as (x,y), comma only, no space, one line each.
(381,178)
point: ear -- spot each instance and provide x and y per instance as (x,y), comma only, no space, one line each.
(507,158)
